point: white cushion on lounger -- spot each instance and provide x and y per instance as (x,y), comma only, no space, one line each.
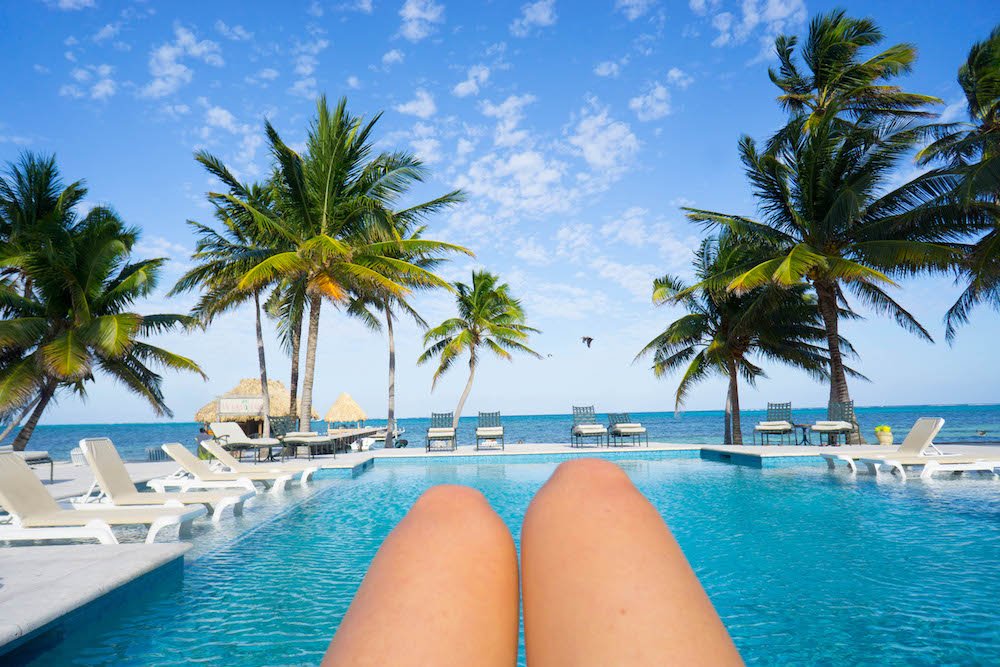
(832,426)
(27,456)
(440,432)
(773,426)
(489,431)
(629,428)
(589,429)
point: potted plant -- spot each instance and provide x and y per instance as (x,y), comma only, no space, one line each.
(884,434)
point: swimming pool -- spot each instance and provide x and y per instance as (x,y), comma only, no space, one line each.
(804,567)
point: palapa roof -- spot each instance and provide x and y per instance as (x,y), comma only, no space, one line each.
(345,409)
(250,388)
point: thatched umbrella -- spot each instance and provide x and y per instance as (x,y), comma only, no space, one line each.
(244,402)
(345,409)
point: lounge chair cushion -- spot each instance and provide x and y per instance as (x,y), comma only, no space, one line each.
(773,427)
(589,429)
(628,428)
(440,432)
(832,426)
(27,456)
(489,431)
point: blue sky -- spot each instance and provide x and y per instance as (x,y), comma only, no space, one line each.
(576,128)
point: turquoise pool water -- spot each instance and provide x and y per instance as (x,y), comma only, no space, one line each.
(804,567)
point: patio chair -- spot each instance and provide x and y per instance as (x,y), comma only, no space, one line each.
(305,470)
(442,431)
(35,514)
(118,490)
(840,420)
(778,422)
(585,426)
(196,474)
(918,442)
(233,437)
(489,430)
(33,458)
(622,429)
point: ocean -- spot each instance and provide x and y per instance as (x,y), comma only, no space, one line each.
(963,423)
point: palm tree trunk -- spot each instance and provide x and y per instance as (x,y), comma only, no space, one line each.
(21,441)
(305,414)
(734,402)
(264,389)
(826,294)
(293,381)
(727,431)
(20,418)
(391,407)
(468,388)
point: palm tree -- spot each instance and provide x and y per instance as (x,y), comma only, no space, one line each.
(327,203)
(224,256)
(490,318)
(834,223)
(840,82)
(972,150)
(76,320)
(723,331)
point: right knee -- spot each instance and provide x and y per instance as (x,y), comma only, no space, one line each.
(590,474)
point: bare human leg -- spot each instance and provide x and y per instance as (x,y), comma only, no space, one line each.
(605,583)
(442,590)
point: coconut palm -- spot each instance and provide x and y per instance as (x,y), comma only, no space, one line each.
(840,79)
(723,332)
(489,318)
(224,256)
(835,222)
(327,202)
(76,320)
(972,150)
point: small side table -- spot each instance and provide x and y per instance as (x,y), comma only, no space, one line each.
(803,437)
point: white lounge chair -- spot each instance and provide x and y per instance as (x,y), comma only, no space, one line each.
(918,442)
(840,420)
(955,463)
(585,426)
(33,458)
(233,436)
(442,436)
(305,470)
(196,474)
(621,428)
(118,489)
(489,432)
(35,514)
(778,422)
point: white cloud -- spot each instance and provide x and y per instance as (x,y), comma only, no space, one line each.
(564,302)
(679,78)
(608,68)
(771,16)
(629,228)
(425,143)
(363,6)
(476,77)
(268,74)
(633,9)
(702,7)
(394,57)
(574,240)
(509,114)
(353,82)
(306,61)
(237,33)
(176,110)
(954,112)
(531,251)
(521,182)
(96,77)
(165,65)
(421,106)
(107,32)
(607,145)
(70,5)
(315,9)
(637,279)
(651,105)
(304,88)
(40,69)
(538,14)
(634,228)
(103,89)
(218,117)
(69,90)
(464,148)
(419,18)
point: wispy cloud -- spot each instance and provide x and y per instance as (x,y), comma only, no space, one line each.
(166,62)
(420,19)
(421,106)
(540,14)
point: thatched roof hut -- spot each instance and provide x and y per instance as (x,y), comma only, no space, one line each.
(244,402)
(345,409)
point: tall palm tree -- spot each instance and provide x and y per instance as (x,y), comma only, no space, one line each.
(76,320)
(489,318)
(724,332)
(972,150)
(326,204)
(835,222)
(224,256)
(840,80)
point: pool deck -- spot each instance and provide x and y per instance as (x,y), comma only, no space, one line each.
(41,587)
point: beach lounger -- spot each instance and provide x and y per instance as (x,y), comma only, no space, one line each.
(585,426)
(36,458)
(622,429)
(489,430)
(35,514)
(778,422)
(840,420)
(918,442)
(442,431)
(233,436)
(304,470)
(954,463)
(118,490)
(196,474)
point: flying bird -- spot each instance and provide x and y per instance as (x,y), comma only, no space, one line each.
(588,340)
